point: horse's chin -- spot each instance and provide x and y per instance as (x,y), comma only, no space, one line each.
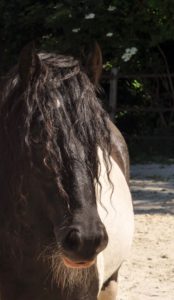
(67,273)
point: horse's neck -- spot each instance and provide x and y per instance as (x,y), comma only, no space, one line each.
(116,212)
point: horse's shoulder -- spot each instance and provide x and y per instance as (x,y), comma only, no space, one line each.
(119,150)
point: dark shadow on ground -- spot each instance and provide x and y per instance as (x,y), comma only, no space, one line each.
(153,196)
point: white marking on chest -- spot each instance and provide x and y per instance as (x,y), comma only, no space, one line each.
(110,292)
(116,212)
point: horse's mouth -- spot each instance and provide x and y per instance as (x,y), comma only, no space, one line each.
(77,265)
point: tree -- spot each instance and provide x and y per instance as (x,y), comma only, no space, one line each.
(67,26)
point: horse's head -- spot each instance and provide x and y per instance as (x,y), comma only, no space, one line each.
(60,126)
(78,230)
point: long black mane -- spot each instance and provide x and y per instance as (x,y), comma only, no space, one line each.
(57,107)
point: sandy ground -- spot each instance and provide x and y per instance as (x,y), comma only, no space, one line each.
(148,274)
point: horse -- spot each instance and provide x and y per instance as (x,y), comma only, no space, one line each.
(66,216)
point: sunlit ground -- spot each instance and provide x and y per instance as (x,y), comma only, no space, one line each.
(149,272)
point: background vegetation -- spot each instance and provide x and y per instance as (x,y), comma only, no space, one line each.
(136,37)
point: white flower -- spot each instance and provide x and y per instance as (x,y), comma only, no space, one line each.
(111,8)
(129,52)
(109,34)
(126,57)
(133,50)
(75,30)
(90,16)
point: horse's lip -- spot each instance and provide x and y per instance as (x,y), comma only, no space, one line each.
(77,265)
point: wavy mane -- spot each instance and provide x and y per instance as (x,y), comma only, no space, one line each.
(57,106)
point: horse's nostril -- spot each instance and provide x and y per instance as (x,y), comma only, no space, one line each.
(72,240)
(80,245)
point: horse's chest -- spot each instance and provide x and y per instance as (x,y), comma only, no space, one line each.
(115,210)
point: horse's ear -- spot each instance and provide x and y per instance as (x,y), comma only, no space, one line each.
(94,64)
(29,63)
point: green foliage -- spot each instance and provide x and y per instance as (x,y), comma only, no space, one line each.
(67,26)
(130,34)
(137,85)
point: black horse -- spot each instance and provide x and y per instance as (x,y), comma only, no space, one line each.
(65,207)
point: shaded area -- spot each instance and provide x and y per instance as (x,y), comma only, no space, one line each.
(152,188)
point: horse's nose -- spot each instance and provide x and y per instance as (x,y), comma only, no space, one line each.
(84,245)
(72,240)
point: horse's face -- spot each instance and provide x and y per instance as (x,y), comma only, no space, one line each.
(60,126)
(78,231)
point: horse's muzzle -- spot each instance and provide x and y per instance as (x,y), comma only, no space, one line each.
(81,247)
(77,265)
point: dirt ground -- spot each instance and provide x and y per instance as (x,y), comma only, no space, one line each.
(148,273)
